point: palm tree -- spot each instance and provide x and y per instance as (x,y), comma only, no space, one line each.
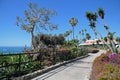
(88,15)
(85,31)
(88,36)
(79,34)
(106,28)
(110,35)
(92,24)
(73,21)
(92,17)
(118,39)
(101,13)
(105,39)
(111,38)
(82,32)
(98,41)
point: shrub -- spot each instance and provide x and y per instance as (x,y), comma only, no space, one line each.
(64,55)
(45,57)
(92,50)
(13,71)
(106,67)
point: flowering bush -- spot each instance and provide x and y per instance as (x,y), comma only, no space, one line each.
(106,67)
(114,58)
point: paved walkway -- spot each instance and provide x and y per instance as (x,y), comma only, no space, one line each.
(78,70)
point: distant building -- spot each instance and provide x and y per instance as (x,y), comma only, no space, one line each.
(91,42)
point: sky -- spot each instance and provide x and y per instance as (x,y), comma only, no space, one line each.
(12,35)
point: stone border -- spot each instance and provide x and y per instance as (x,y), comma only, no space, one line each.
(40,72)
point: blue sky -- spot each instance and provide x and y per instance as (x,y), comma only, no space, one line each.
(11,35)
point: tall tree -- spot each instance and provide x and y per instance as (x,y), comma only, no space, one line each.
(67,33)
(73,21)
(118,40)
(101,13)
(109,34)
(49,40)
(92,17)
(79,33)
(88,36)
(105,39)
(85,31)
(36,18)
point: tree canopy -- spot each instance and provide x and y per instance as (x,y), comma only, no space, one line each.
(36,18)
(49,40)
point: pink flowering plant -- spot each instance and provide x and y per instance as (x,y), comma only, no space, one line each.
(106,67)
(114,58)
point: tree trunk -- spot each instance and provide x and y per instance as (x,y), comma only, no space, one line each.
(103,40)
(113,45)
(73,32)
(32,44)
(112,42)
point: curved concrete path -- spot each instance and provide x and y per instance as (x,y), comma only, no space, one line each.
(78,70)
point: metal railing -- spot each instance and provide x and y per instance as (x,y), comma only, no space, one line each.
(16,66)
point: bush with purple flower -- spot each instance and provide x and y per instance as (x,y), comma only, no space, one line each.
(114,58)
(106,67)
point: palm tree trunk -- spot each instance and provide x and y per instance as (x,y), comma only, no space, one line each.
(112,42)
(113,45)
(103,40)
(73,33)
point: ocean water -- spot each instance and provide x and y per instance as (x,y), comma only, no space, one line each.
(11,50)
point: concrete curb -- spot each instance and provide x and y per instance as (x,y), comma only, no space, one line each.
(40,72)
(87,77)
